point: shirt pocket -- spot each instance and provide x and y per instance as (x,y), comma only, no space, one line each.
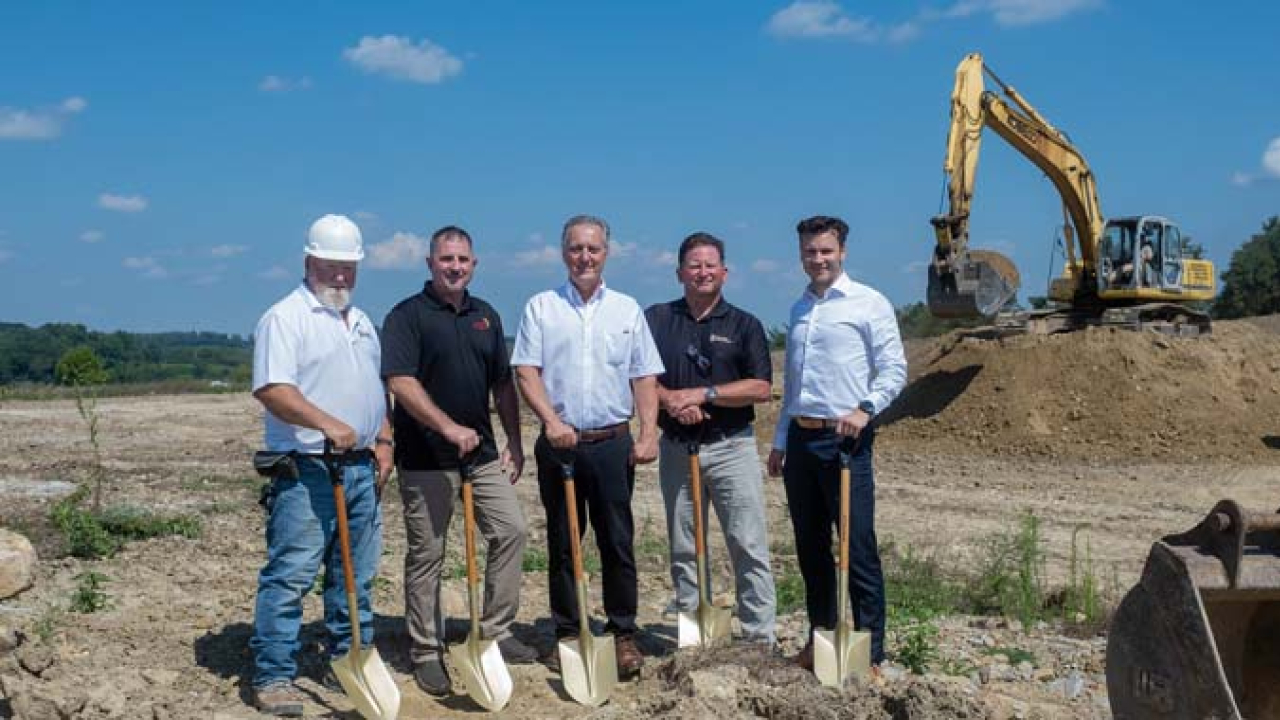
(617,347)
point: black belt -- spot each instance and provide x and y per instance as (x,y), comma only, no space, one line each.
(712,434)
(609,432)
(350,457)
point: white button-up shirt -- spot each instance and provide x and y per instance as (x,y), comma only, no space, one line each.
(334,363)
(589,351)
(842,348)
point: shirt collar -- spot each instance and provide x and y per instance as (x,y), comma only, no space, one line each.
(570,291)
(430,292)
(842,287)
(720,310)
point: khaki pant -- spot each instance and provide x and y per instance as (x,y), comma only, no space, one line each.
(429,498)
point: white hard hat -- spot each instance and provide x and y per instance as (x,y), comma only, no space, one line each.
(335,237)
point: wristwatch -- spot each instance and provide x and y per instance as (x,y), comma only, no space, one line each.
(384,441)
(867,407)
(710,395)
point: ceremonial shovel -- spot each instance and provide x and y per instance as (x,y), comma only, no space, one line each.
(708,624)
(840,653)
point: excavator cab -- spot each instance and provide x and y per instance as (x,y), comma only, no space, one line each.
(1199,636)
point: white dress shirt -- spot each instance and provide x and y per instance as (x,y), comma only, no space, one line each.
(589,351)
(842,348)
(334,363)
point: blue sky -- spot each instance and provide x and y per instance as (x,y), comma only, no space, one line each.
(162,161)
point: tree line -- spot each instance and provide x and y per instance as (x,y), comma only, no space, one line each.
(31,354)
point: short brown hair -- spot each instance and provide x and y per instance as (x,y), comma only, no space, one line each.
(450,231)
(819,224)
(701,239)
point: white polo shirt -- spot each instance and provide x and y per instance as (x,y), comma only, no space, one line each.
(589,351)
(333,363)
(842,348)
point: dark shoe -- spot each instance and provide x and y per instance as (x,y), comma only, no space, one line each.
(432,677)
(515,652)
(278,698)
(804,658)
(329,680)
(629,658)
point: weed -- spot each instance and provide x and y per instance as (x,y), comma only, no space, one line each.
(1009,579)
(789,586)
(81,369)
(917,646)
(956,668)
(534,560)
(916,588)
(1082,598)
(650,546)
(130,523)
(46,626)
(1015,656)
(95,535)
(89,596)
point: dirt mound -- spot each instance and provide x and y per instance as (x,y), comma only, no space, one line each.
(745,683)
(1100,393)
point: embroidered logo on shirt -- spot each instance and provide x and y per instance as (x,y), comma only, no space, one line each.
(481,324)
(721,339)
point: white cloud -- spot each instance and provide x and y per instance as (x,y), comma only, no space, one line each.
(820,18)
(1271,158)
(122,203)
(226,251)
(400,58)
(545,256)
(1241,179)
(92,236)
(275,272)
(404,251)
(39,124)
(279,84)
(1021,12)
(147,266)
(619,249)
(666,258)
(365,216)
(764,265)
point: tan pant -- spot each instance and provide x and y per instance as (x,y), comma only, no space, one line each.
(429,498)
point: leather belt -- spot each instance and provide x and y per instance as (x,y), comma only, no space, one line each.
(609,432)
(349,457)
(811,423)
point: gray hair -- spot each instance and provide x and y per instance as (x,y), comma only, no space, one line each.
(577,220)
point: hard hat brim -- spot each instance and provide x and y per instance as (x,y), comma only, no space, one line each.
(335,255)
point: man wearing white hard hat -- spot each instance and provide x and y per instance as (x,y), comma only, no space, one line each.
(316,371)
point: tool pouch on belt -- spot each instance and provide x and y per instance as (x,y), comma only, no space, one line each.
(276,464)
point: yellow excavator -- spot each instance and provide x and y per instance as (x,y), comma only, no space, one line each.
(1127,271)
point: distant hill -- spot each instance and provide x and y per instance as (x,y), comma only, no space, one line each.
(29,354)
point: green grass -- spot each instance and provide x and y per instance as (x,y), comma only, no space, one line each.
(789,586)
(1016,655)
(534,560)
(95,535)
(89,596)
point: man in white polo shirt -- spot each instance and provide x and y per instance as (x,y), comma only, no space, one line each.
(583,354)
(316,371)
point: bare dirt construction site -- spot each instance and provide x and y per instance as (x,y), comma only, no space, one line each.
(1109,437)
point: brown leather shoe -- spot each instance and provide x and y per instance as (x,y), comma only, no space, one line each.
(804,658)
(629,658)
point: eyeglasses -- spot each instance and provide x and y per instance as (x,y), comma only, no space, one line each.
(702,362)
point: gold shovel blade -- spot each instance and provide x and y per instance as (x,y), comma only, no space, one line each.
(589,669)
(705,626)
(834,660)
(483,672)
(368,684)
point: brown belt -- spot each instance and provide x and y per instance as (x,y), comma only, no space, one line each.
(809,423)
(595,435)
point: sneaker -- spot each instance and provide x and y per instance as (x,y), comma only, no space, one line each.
(804,658)
(516,652)
(432,677)
(278,698)
(628,655)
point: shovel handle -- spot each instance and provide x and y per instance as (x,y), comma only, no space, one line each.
(695,490)
(469,530)
(348,572)
(571,505)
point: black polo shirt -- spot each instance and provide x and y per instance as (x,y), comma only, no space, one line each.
(733,347)
(458,355)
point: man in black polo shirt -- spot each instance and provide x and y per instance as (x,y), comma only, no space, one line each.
(443,355)
(717,366)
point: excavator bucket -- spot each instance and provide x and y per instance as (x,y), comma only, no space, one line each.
(977,283)
(1199,635)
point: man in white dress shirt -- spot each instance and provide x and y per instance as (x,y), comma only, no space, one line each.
(583,356)
(845,364)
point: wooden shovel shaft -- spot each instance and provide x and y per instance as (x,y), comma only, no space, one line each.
(699,542)
(842,576)
(473,571)
(575,552)
(348,572)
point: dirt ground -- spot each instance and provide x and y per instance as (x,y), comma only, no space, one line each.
(1129,436)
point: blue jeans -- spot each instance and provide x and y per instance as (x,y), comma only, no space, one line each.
(302,531)
(811,476)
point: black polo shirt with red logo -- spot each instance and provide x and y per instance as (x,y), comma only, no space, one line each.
(728,344)
(459,355)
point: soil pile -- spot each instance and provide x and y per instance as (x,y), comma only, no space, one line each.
(747,683)
(1098,393)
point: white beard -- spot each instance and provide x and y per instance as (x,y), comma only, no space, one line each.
(336,298)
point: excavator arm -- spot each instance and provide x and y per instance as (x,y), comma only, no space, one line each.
(965,282)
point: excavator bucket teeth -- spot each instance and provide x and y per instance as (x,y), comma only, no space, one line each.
(979,285)
(1199,636)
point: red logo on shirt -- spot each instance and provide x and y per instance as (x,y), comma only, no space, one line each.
(481,324)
